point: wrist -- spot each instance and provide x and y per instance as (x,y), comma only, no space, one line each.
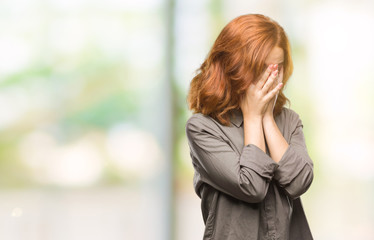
(268,118)
(253,118)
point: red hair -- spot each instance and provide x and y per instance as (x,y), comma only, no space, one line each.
(236,59)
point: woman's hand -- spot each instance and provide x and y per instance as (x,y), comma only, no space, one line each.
(259,94)
(271,104)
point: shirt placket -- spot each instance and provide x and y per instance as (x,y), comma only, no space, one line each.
(269,205)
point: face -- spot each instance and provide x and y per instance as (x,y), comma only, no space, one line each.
(276,56)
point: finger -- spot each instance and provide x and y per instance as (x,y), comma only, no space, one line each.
(276,81)
(270,81)
(264,77)
(273,92)
(280,75)
(276,97)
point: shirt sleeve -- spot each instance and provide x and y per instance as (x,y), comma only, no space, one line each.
(245,176)
(295,171)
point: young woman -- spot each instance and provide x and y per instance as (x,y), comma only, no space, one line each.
(248,151)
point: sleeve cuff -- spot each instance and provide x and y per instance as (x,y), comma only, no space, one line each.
(254,158)
(290,166)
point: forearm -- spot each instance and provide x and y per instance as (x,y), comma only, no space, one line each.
(276,143)
(253,132)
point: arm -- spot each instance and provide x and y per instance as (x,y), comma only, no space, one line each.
(295,171)
(253,132)
(245,176)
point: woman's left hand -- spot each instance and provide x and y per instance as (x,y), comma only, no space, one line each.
(271,104)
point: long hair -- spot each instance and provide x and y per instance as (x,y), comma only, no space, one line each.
(236,59)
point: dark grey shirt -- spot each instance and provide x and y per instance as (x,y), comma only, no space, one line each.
(244,193)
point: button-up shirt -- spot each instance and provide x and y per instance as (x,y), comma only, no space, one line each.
(244,193)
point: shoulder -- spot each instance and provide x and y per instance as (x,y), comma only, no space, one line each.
(291,116)
(199,122)
(198,118)
(290,113)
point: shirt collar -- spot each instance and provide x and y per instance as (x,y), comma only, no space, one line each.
(237,117)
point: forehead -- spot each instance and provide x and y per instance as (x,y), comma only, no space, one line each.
(275,56)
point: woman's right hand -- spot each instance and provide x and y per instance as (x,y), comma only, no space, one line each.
(260,93)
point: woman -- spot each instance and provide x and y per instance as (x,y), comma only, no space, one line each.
(248,151)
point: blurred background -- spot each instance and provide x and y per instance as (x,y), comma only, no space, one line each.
(93,111)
